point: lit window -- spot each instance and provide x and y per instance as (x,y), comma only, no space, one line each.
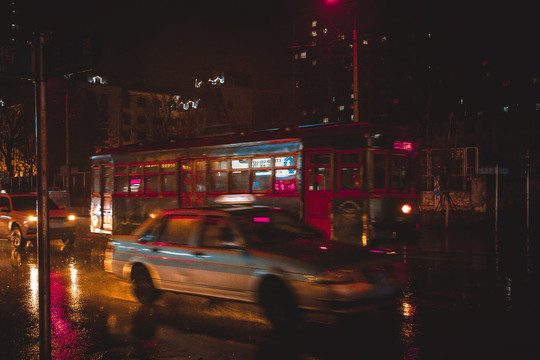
(341,108)
(364,42)
(314,63)
(314,23)
(313,32)
(325,120)
(303,55)
(506,109)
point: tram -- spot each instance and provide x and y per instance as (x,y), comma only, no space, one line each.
(355,182)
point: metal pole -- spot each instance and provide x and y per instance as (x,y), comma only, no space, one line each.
(496,197)
(68,163)
(355,73)
(528,191)
(42,206)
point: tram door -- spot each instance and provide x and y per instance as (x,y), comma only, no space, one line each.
(318,191)
(192,182)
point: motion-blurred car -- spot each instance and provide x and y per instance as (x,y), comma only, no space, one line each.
(18,220)
(255,254)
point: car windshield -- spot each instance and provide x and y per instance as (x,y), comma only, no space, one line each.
(272,225)
(23,203)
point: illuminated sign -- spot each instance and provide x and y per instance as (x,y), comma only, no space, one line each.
(403,145)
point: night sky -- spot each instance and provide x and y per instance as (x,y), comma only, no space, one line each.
(169,43)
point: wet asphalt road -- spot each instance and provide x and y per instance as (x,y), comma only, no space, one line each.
(470,295)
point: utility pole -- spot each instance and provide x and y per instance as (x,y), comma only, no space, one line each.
(44,292)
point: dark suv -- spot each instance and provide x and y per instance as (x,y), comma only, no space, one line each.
(18,220)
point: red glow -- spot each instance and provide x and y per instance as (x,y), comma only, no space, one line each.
(403,145)
(406,209)
(261,219)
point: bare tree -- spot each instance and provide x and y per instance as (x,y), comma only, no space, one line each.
(17,147)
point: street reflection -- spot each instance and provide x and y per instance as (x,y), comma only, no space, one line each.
(409,326)
(68,341)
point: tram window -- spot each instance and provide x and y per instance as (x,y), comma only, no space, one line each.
(398,176)
(135,169)
(284,161)
(151,169)
(379,171)
(349,159)
(167,183)
(261,180)
(186,181)
(151,183)
(319,179)
(107,171)
(96,183)
(120,170)
(319,160)
(218,181)
(240,175)
(218,165)
(168,176)
(135,184)
(261,163)
(350,171)
(218,176)
(285,180)
(185,176)
(121,184)
(350,178)
(200,176)
(107,185)
(239,181)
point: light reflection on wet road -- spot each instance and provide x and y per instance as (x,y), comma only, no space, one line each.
(469,296)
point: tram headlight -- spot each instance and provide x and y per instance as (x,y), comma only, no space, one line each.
(406,208)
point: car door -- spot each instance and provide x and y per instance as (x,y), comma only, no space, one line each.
(222,265)
(168,249)
(4,216)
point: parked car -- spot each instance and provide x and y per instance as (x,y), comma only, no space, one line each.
(254,254)
(18,220)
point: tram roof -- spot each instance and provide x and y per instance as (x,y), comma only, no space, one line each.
(271,135)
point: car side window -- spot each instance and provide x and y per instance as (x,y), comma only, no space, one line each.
(178,229)
(216,232)
(4,202)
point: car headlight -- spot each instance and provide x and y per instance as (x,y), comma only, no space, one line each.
(340,277)
(32,218)
(71,217)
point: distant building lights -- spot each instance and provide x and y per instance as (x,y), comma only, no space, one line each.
(97,80)
(217,80)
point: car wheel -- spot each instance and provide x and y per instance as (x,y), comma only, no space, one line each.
(69,240)
(278,304)
(143,287)
(16,238)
